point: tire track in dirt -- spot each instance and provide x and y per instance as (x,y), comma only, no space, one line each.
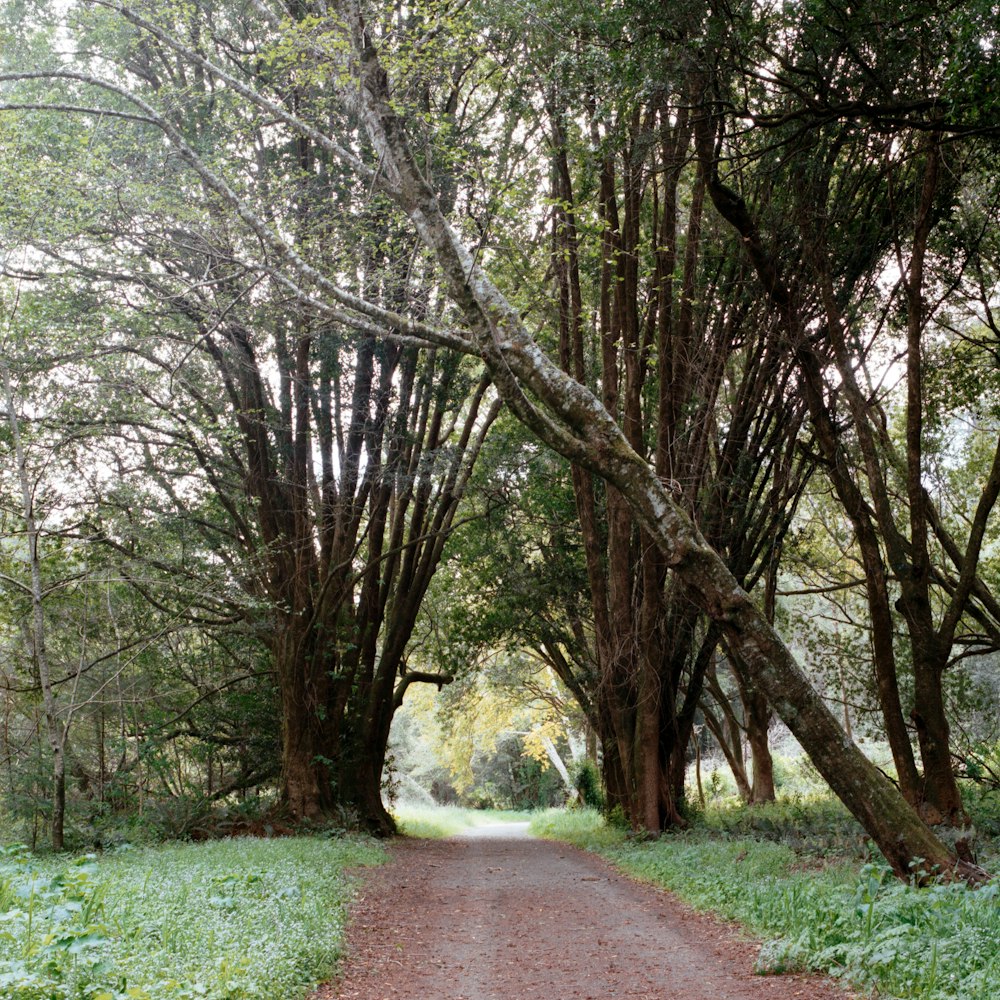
(498,916)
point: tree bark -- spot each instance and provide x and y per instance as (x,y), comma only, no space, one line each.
(762,789)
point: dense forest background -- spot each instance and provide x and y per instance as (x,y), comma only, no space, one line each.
(626,374)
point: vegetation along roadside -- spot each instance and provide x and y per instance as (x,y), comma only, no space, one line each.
(240,919)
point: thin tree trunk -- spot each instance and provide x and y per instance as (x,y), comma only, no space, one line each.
(697,769)
(941,799)
(53,726)
(727,736)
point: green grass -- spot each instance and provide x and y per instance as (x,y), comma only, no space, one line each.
(227,920)
(446,821)
(847,919)
(585,828)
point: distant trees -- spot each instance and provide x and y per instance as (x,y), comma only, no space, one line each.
(504,735)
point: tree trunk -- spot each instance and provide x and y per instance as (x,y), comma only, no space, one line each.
(58,798)
(307,734)
(557,762)
(940,799)
(359,788)
(758,721)
(697,769)
(54,727)
(617,797)
(646,753)
(727,735)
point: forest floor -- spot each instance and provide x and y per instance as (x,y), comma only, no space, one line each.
(493,914)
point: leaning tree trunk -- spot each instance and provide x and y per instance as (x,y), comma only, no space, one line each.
(567,417)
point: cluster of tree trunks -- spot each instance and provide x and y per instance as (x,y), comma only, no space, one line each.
(674,352)
(568,417)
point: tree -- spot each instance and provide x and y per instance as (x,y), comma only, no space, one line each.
(56,726)
(333,464)
(567,417)
(652,318)
(502,731)
(864,202)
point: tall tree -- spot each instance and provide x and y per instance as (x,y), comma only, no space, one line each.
(568,417)
(333,461)
(866,202)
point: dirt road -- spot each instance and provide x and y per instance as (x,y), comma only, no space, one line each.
(496,915)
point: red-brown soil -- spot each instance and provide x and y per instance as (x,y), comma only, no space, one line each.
(491,916)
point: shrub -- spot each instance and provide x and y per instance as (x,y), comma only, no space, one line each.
(587,781)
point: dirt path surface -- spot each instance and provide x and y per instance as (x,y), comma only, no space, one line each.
(495,915)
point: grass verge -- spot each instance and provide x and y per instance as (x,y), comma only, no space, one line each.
(858,923)
(446,821)
(227,920)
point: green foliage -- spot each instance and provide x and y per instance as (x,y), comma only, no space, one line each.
(983,806)
(233,920)
(817,824)
(584,828)
(445,821)
(506,777)
(982,764)
(587,779)
(481,741)
(797,775)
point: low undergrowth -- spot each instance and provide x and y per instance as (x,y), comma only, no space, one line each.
(811,824)
(446,821)
(838,916)
(228,920)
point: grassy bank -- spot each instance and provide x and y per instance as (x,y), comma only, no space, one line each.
(446,821)
(824,913)
(228,920)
